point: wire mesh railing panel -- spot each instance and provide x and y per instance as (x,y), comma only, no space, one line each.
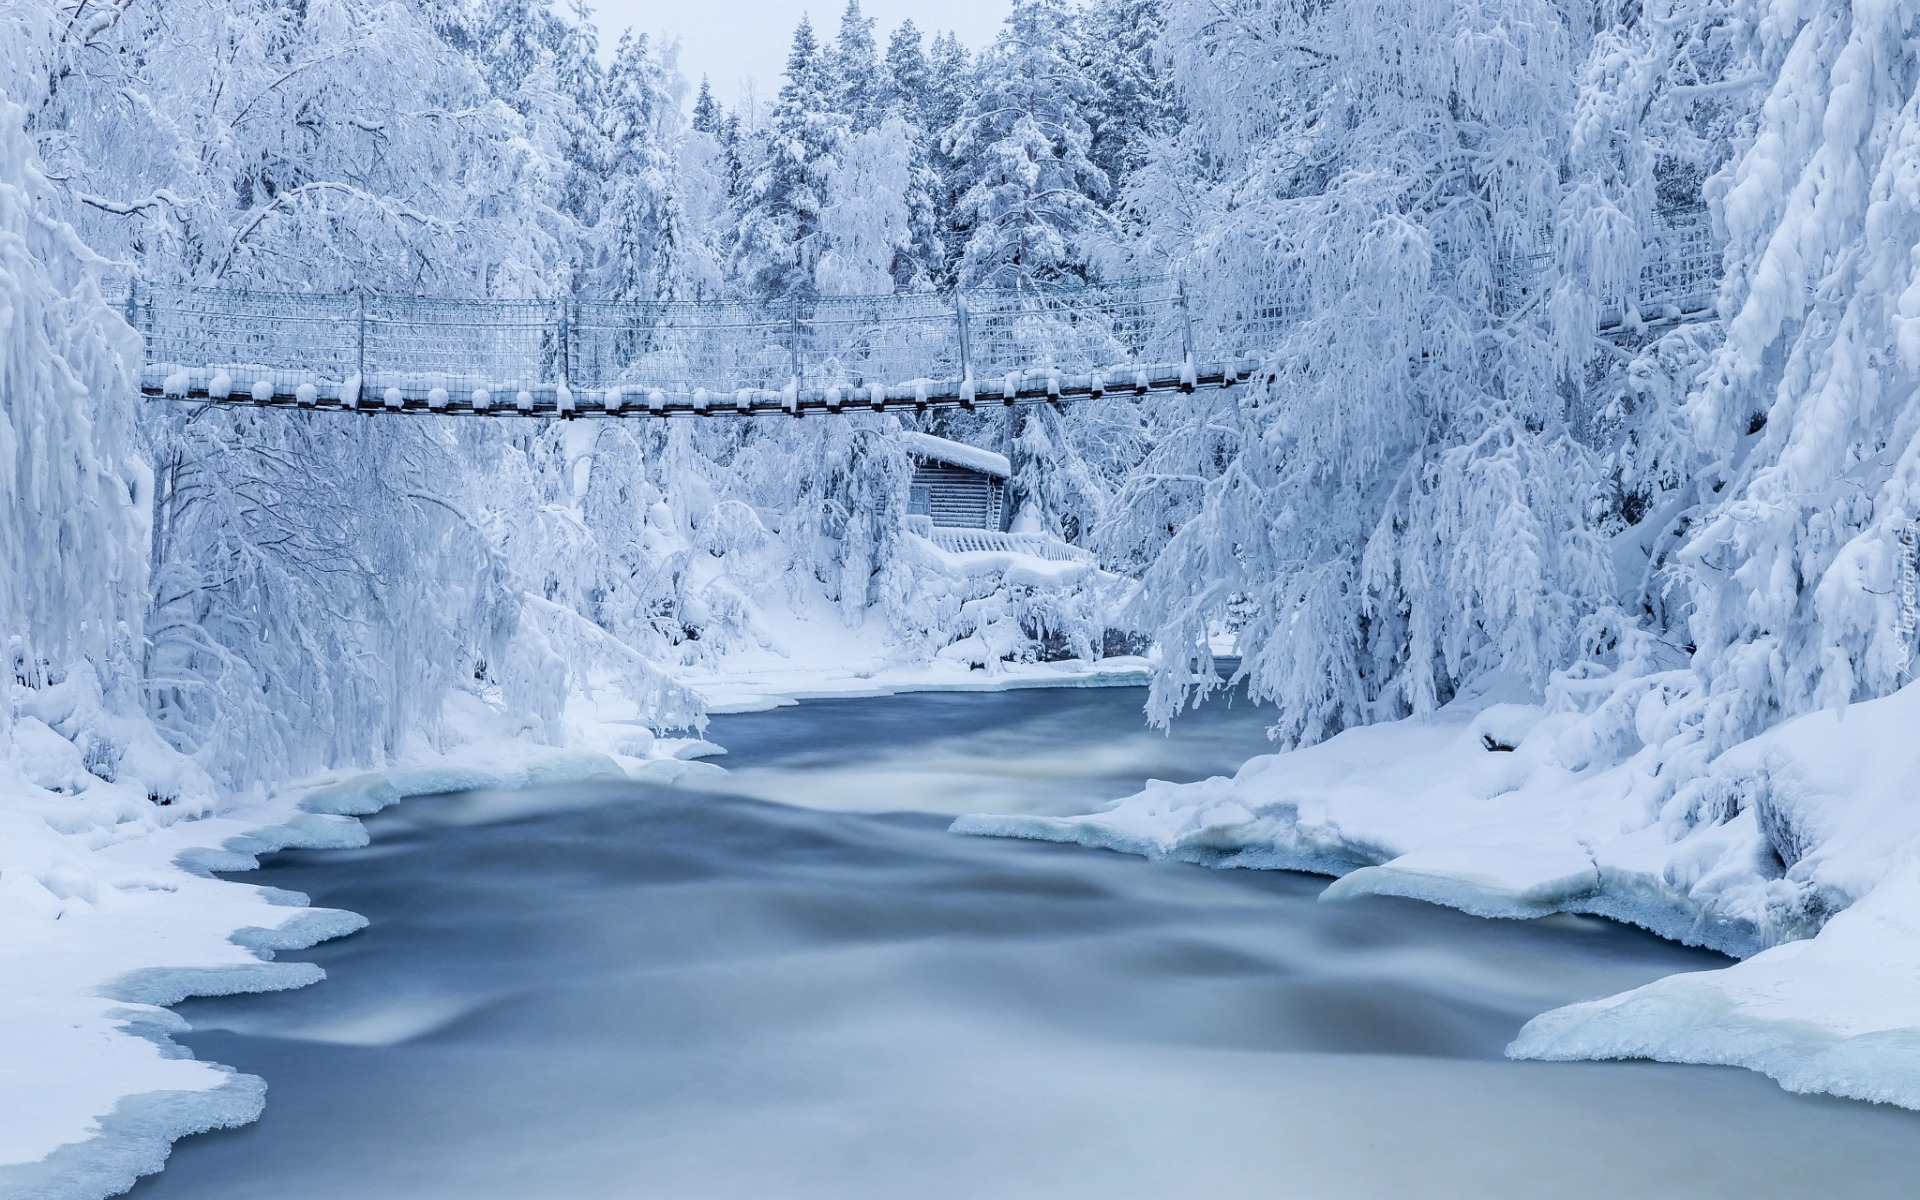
(1250,321)
(679,347)
(849,341)
(1683,260)
(416,346)
(248,340)
(1075,329)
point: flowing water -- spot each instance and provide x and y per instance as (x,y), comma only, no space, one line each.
(620,991)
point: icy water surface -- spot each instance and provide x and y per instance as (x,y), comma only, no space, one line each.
(622,991)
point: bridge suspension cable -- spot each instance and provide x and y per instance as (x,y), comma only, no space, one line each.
(374,353)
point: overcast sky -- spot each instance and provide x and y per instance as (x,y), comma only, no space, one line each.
(732,41)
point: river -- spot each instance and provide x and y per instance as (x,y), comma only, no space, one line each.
(794,983)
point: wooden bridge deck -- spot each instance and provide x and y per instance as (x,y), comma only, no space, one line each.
(427,396)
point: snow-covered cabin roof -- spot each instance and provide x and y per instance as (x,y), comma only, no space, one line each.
(959,454)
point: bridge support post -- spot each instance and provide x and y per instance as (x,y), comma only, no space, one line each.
(966,351)
(793,339)
(1186,338)
(360,336)
(561,347)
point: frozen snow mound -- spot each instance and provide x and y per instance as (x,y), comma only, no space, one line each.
(134,1140)
(1838,1013)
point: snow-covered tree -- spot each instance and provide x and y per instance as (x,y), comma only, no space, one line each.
(706,110)
(1133,104)
(775,246)
(637,237)
(1401,504)
(71,488)
(853,68)
(1029,205)
(907,90)
(866,234)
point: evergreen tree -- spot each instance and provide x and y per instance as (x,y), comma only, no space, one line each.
(635,238)
(906,81)
(581,86)
(706,111)
(940,103)
(854,66)
(732,145)
(950,70)
(515,42)
(776,241)
(1133,99)
(1020,150)
(549,73)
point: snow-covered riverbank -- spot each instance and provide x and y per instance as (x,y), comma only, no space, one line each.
(1798,850)
(109,913)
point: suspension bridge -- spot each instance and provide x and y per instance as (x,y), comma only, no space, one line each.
(904,351)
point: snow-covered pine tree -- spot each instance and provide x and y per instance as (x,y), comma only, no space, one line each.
(548,71)
(776,240)
(1030,199)
(906,78)
(1132,104)
(853,69)
(705,178)
(906,74)
(733,144)
(637,238)
(950,71)
(706,110)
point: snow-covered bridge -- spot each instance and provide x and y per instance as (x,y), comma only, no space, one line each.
(825,354)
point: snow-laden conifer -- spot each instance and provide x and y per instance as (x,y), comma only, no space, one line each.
(776,242)
(1028,204)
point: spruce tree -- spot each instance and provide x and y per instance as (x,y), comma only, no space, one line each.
(854,69)
(775,245)
(548,72)
(1020,150)
(733,145)
(907,78)
(949,77)
(905,82)
(1133,99)
(706,111)
(638,230)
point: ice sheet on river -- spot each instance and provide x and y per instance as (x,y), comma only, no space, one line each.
(1798,851)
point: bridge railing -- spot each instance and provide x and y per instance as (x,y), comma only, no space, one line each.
(1682,269)
(508,350)
(532,354)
